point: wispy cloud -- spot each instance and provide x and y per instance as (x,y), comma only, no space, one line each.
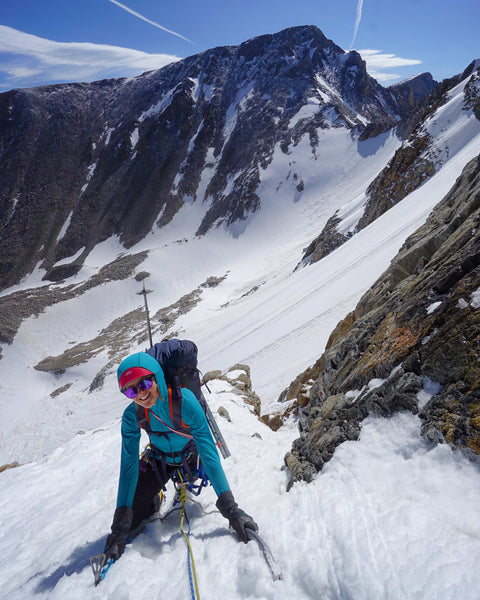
(358,18)
(378,63)
(27,60)
(136,14)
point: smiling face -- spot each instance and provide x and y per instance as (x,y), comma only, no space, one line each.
(145,398)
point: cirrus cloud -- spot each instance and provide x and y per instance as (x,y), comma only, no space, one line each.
(378,63)
(154,23)
(358,18)
(27,60)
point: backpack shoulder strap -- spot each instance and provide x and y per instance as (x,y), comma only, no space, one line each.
(143,418)
(175,401)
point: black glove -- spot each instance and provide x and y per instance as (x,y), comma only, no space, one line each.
(115,544)
(238,519)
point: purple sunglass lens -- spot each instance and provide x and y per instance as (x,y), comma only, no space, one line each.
(132,392)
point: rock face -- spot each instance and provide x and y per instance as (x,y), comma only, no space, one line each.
(418,326)
(328,239)
(238,377)
(414,90)
(416,161)
(83,162)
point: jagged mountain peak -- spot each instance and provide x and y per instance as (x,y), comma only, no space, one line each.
(84,162)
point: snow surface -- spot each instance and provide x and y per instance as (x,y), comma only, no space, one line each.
(389,516)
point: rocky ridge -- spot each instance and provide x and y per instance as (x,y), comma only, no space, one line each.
(23,304)
(117,337)
(421,315)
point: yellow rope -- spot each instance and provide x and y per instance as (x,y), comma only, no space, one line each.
(183,499)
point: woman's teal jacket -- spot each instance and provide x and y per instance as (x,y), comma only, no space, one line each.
(192,415)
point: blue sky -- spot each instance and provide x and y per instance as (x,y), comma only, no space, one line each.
(50,41)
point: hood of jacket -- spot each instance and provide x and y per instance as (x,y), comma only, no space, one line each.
(142,359)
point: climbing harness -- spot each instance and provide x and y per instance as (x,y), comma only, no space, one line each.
(188,476)
(191,467)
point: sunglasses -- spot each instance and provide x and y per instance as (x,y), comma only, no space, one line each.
(143,385)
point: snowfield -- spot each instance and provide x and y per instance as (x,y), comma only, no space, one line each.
(390,517)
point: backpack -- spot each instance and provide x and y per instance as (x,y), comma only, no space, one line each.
(178,359)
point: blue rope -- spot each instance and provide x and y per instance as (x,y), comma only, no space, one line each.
(190,559)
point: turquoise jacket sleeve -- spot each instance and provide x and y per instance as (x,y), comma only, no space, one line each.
(194,417)
(130,456)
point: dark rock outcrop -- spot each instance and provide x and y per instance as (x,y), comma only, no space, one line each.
(416,160)
(326,242)
(414,90)
(418,324)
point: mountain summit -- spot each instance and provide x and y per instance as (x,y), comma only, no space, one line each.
(83,162)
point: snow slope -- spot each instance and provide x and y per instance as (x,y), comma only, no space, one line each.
(389,517)
(232,324)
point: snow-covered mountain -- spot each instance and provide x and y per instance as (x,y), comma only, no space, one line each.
(427,143)
(81,163)
(391,515)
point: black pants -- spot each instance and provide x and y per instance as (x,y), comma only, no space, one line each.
(150,482)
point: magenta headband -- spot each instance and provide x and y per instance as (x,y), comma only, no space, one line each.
(133,373)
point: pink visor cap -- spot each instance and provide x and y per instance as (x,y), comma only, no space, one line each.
(133,373)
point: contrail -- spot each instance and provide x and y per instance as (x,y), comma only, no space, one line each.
(136,14)
(357,22)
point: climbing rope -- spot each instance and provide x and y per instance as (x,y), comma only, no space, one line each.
(181,496)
